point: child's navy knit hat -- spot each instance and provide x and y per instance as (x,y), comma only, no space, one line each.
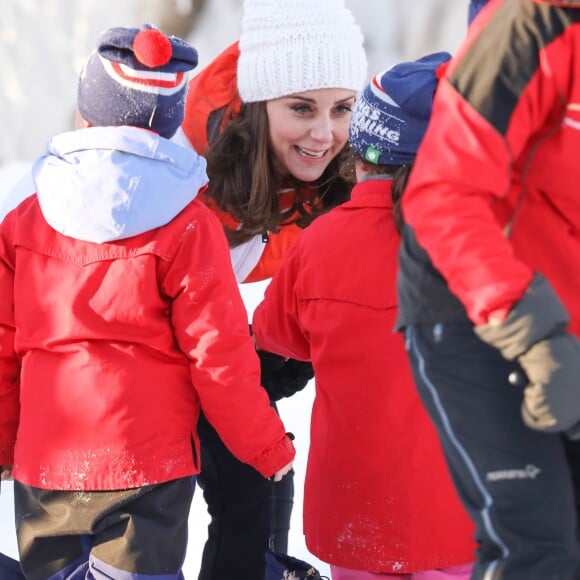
(136,77)
(390,117)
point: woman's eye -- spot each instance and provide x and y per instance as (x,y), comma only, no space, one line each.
(343,109)
(301,108)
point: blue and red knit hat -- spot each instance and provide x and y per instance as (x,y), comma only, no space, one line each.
(136,77)
(391,115)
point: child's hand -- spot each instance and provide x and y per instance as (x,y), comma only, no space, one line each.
(5,472)
(282,472)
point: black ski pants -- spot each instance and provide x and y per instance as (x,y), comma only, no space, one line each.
(521,487)
(249,513)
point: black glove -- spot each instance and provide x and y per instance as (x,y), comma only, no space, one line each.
(534,334)
(283,377)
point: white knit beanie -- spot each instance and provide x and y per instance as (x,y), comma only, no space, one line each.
(291,46)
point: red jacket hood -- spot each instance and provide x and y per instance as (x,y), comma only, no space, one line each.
(212,89)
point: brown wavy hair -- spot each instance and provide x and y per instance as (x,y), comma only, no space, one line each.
(244,183)
(399,173)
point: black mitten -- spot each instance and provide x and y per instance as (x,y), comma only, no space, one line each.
(534,334)
(283,377)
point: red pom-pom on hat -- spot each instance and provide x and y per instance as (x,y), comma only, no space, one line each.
(152,48)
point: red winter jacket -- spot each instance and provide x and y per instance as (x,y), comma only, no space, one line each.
(112,348)
(377,496)
(494,192)
(212,101)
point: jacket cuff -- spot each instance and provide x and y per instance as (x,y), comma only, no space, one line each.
(537,315)
(6,456)
(275,458)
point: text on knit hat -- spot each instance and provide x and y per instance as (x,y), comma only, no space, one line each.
(391,115)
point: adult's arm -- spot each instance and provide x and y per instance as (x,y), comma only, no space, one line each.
(500,95)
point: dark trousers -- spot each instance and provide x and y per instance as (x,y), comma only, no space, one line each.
(131,534)
(248,512)
(520,487)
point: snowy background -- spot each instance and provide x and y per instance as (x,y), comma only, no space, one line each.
(43,46)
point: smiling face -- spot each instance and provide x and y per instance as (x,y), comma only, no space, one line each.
(308,130)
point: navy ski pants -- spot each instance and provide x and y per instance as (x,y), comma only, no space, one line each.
(521,487)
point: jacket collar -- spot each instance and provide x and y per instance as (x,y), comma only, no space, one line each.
(372,193)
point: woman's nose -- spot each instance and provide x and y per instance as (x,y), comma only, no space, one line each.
(322,129)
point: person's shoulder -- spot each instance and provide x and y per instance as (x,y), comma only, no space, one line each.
(329,220)
(24,223)
(15,185)
(192,230)
(28,210)
(197,214)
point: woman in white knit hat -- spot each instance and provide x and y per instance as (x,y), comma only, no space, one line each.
(271,115)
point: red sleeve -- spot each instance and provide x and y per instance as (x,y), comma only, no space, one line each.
(9,362)
(276,320)
(469,160)
(211,327)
